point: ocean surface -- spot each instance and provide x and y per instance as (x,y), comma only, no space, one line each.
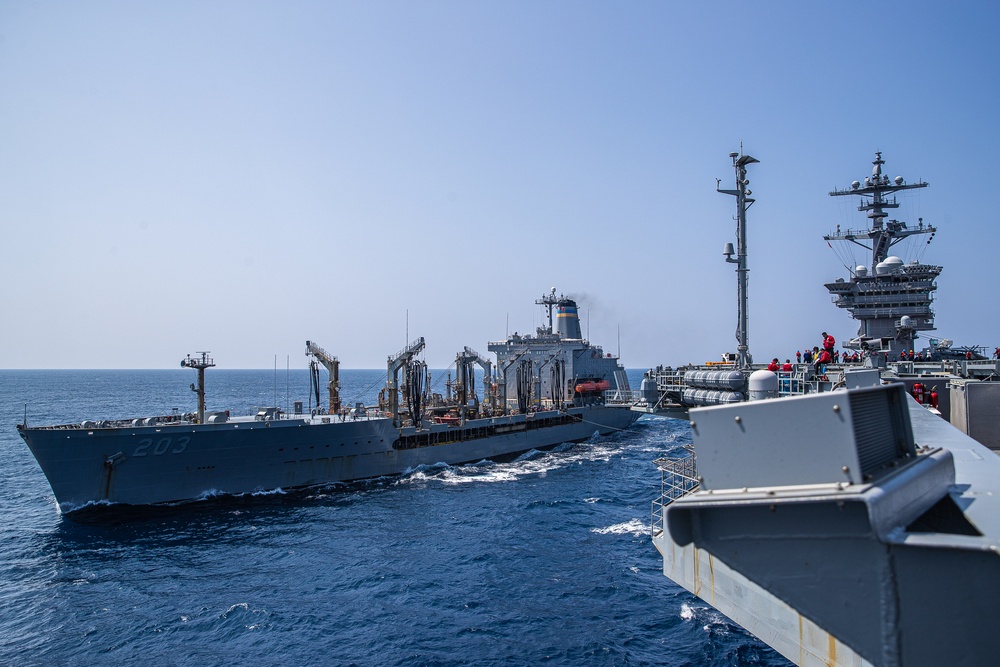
(544,560)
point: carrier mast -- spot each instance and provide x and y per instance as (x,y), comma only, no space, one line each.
(743,202)
(890,299)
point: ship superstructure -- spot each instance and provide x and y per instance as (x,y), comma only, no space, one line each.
(890,299)
(557,366)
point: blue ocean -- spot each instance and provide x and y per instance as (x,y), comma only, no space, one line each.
(544,560)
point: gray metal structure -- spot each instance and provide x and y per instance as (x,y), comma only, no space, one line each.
(846,523)
(892,303)
(890,299)
(332,366)
(394,363)
(173,458)
(743,203)
(556,367)
(846,528)
(199,364)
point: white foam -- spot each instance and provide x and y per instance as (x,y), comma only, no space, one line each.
(66,508)
(531,463)
(241,606)
(634,527)
(272,492)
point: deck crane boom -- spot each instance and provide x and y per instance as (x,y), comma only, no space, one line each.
(332,364)
(465,375)
(487,367)
(502,374)
(394,363)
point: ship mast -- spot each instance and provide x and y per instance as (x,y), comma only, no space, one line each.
(891,300)
(548,300)
(199,364)
(743,202)
(883,234)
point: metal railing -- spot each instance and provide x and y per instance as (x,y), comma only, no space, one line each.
(621,397)
(678,478)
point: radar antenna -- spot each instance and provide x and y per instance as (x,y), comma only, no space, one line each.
(883,233)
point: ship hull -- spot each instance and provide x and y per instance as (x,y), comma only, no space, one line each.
(144,465)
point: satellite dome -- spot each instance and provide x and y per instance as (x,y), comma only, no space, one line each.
(762,384)
(888,265)
(856,185)
(898,180)
(861,270)
(905,322)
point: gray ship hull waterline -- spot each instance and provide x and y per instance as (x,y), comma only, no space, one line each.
(143,465)
(176,458)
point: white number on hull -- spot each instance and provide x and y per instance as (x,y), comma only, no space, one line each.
(163,445)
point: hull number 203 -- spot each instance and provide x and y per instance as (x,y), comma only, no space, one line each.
(162,446)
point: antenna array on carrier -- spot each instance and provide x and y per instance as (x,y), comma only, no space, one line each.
(890,298)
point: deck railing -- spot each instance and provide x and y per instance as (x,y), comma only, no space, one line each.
(621,397)
(678,478)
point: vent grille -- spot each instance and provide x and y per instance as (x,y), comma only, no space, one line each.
(881,427)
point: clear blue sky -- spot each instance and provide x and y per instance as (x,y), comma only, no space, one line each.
(242,176)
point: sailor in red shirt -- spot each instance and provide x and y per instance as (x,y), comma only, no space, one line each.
(773,366)
(828,342)
(822,359)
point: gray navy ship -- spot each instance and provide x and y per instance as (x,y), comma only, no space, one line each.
(549,388)
(857,521)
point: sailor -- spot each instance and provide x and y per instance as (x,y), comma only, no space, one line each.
(828,343)
(798,355)
(773,366)
(822,359)
(996,353)
(807,356)
(911,355)
(787,366)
